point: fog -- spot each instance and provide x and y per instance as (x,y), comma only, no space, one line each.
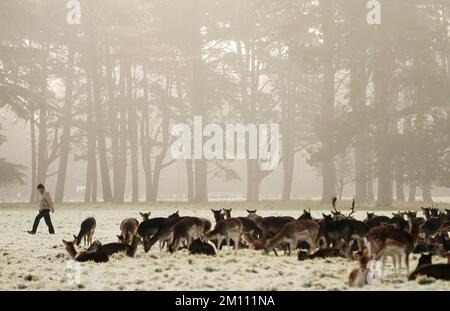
(100,100)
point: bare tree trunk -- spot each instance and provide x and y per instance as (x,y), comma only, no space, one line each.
(33,196)
(426,193)
(42,147)
(399,183)
(198,107)
(288,121)
(412,192)
(91,170)
(383,63)
(327,102)
(122,161)
(146,140)
(99,129)
(132,136)
(67,124)
(113,130)
(190,180)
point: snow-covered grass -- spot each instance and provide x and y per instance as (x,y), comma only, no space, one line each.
(40,262)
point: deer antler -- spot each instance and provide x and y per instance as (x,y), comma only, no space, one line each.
(333,203)
(353,208)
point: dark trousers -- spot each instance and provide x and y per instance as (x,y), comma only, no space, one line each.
(46,214)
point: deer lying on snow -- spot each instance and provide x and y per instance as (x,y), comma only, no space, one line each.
(128,229)
(436,271)
(322,253)
(227,229)
(293,232)
(101,253)
(86,232)
(198,247)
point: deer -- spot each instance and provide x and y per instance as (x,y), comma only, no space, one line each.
(271,225)
(198,247)
(292,233)
(186,229)
(112,248)
(84,255)
(227,229)
(227,213)
(145,216)
(358,277)
(388,241)
(427,268)
(322,253)
(164,234)
(218,215)
(148,228)
(255,244)
(346,230)
(432,226)
(86,231)
(373,220)
(128,229)
(306,215)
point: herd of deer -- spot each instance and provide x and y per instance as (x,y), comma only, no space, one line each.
(333,235)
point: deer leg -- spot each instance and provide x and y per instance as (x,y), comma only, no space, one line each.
(228,241)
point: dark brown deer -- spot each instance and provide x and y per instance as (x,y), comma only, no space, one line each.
(86,231)
(426,268)
(227,213)
(145,216)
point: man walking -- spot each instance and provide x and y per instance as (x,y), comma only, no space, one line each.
(45,206)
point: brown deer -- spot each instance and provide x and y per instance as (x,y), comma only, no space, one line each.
(358,277)
(145,216)
(255,244)
(86,231)
(187,229)
(293,232)
(128,229)
(227,229)
(388,241)
(84,255)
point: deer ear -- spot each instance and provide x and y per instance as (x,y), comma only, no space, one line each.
(231,209)
(75,237)
(141,214)
(64,242)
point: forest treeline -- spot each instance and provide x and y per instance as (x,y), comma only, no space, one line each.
(365,104)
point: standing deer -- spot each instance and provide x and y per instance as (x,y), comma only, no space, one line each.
(86,231)
(227,229)
(128,229)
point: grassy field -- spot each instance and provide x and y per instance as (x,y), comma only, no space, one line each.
(40,262)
